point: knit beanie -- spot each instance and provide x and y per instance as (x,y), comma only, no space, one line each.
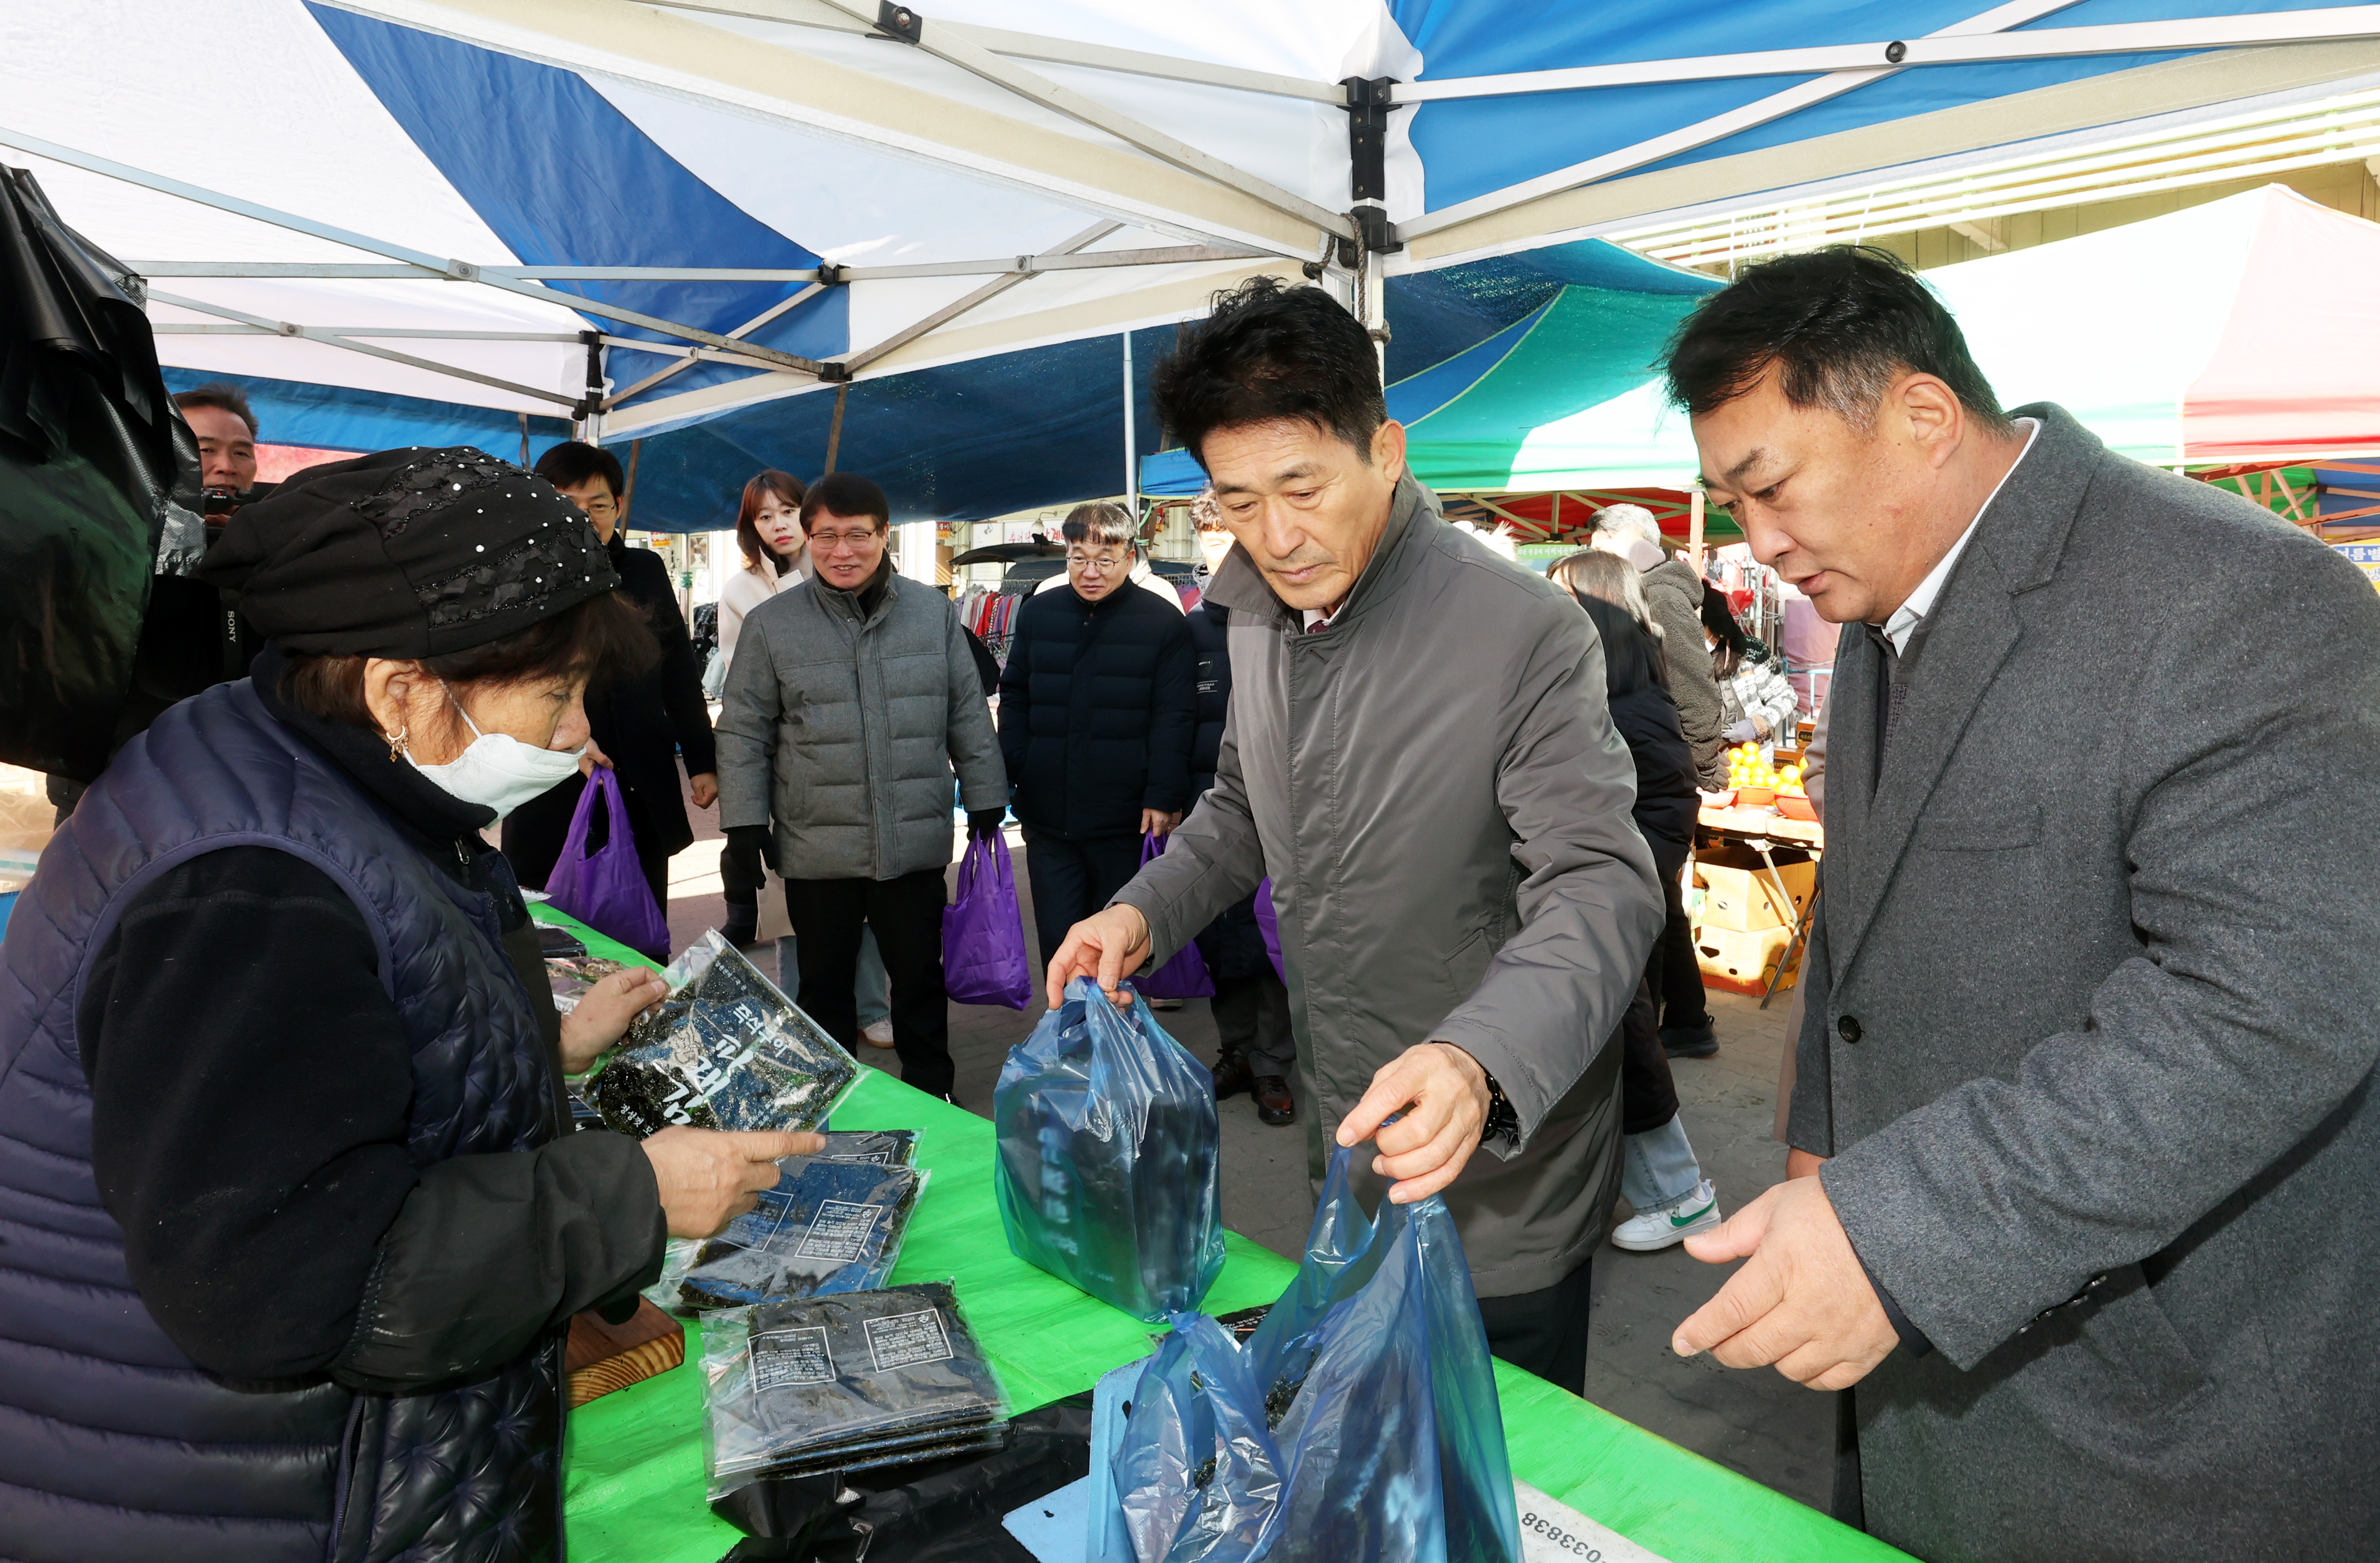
(413,552)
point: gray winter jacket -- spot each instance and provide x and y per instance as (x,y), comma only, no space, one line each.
(842,733)
(1674,592)
(1435,786)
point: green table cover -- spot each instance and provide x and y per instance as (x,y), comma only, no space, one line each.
(633,1468)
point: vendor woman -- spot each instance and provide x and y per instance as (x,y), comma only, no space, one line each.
(292,1221)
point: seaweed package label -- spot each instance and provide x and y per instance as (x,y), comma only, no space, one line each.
(571,976)
(879,1147)
(902,1363)
(827,1226)
(724,1050)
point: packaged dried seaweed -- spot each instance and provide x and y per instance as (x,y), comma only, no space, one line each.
(862,1378)
(724,1050)
(827,1226)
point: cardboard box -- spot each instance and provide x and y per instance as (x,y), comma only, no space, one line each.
(1739,893)
(1739,961)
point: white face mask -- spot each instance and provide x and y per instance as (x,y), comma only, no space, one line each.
(498,770)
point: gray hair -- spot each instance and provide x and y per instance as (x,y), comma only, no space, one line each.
(1593,572)
(1629,521)
(1205,510)
(1099,523)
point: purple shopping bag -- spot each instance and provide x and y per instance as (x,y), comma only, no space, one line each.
(1269,925)
(608,891)
(983,932)
(1185,976)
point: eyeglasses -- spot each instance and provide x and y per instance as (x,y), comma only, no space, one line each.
(1104,564)
(835,542)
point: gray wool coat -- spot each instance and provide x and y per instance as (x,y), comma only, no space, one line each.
(2093,1008)
(1436,788)
(844,731)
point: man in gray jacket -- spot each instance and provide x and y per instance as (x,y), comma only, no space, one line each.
(852,698)
(1419,752)
(2085,1153)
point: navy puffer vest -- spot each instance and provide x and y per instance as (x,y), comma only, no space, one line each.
(113,1445)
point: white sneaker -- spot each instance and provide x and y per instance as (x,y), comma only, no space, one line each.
(879,1035)
(1655,1231)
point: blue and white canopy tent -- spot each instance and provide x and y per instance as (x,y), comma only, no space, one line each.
(709,226)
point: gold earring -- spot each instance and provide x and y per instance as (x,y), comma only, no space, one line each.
(397,746)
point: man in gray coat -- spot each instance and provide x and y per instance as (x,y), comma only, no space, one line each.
(852,698)
(2085,1154)
(1419,752)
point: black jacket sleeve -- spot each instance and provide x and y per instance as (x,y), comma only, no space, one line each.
(1017,697)
(1172,719)
(250,1085)
(681,675)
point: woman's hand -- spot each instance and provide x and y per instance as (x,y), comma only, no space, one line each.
(603,1016)
(708,1178)
(593,756)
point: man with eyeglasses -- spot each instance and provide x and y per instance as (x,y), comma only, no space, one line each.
(853,698)
(642,727)
(1098,707)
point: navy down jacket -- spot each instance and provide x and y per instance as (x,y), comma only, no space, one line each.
(114,1444)
(1098,707)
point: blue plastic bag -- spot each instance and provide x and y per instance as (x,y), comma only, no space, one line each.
(1107,1173)
(1197,1468)
(1185,976)
(1392,1444)
(983,932)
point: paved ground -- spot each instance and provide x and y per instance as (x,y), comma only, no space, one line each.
(1754,1423)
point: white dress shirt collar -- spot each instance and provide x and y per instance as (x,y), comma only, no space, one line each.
(1904,620)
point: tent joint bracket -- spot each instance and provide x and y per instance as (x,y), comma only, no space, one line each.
(900,23)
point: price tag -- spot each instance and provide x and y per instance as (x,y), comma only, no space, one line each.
(1555,1532)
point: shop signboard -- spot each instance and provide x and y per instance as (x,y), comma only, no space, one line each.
(2365,556)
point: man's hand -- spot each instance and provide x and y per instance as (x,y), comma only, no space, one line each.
(604,1012)
(1103,948)
(591,757)
(1803,1303)
(704,788)
(1156,822)
(708,1178)
(1443,1093)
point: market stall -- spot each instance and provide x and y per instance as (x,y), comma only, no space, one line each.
(634,1484)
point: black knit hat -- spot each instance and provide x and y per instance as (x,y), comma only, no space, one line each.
(415,552)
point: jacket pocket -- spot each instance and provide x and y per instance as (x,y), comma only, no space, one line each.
(2151,1353)
(1996,830)
(1467,962)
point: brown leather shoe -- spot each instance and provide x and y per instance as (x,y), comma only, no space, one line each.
(1274,1103)
(1232,1076)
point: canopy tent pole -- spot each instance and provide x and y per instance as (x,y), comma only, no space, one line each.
(854,362)
(953,46)
(590,407)
(1131,445)
(834,427)
(1971,44)
(524,417)
(431,265)
(1048,260)
(747,329)
(1702,133)
(316,334)
(1035,46)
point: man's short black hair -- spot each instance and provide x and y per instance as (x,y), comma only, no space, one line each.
(572,462)
(1270,352)
(1841,324)
(228,398)
(845,493)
